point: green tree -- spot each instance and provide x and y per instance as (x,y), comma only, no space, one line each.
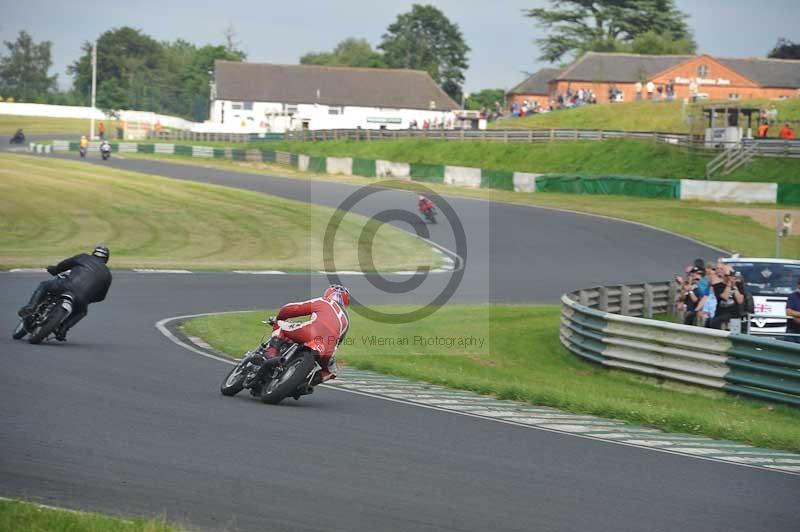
(135,71)
(577,26)
(110,96)
(24,71)
(425,39)
(485,98)
(653,43)
(785,49)
(350,52)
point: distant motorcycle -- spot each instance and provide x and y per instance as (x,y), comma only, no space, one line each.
(430,215)
(289,374)
(18,138)
(45,318)
(427,208)
(105,150)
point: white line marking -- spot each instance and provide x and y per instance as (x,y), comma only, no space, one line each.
(60,509)
(154,270)
(786,470)
(260,272)
(27,270)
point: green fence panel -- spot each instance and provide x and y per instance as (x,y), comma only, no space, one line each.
(293,159)
(182,149)
(500,179)
(73,146)
(146,148)
(268,156)
(644,187)
(114,147)
(318,164)
(365,167)
(431,173)
(238,155)
(788,194)
(219,153)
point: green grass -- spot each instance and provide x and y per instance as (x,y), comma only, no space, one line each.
(19,516)
(523,360)
(643,116)
(42,125)
(616,156)
(52,208)
(694,219)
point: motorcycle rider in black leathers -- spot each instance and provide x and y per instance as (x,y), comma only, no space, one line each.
(88,281)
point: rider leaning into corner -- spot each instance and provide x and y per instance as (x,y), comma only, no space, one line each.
(323,332)
(424,204)
(88,281)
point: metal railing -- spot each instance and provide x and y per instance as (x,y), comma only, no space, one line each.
(737,363)
(212,137)
(763,147)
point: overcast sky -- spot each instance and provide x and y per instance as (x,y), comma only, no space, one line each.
(500,36)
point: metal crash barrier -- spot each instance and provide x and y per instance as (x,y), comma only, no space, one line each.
(593,327)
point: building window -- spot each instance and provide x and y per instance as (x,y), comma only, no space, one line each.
(289,108)
(702,71)
(334,110)
(236,106)
(248,106)
(734,96)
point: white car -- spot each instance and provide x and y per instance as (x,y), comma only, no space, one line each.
(770,281)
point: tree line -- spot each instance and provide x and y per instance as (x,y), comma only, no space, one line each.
(135,71)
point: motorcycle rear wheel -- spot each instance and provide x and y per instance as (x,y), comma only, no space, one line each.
(54,319)
(297,370)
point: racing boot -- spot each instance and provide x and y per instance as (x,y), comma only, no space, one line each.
(61,334)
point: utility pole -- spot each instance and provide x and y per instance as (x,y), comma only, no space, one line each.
(94,87)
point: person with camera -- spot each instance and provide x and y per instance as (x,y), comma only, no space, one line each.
(730,294)
(692,296)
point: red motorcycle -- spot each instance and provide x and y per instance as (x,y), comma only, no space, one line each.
(427,208)
(294,372)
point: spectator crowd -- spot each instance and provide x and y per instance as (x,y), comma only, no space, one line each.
(711,294)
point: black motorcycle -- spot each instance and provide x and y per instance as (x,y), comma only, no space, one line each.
(292,373)
(105,150)
(18,138)
(51,311)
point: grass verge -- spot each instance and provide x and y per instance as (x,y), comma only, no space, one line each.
(582,157)
(700,221)
(43,125)
(19,516)
(643,116)
(523,360)
(52,208)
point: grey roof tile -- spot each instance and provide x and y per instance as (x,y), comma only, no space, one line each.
(536,83)
(364,87)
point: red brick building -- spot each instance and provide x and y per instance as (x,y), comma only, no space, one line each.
(715,78)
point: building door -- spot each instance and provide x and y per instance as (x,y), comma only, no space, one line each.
(305,124)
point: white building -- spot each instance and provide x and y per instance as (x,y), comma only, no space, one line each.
(257,97)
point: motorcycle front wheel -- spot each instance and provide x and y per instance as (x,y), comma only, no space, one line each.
(20,331)
(234,380)
(295,371)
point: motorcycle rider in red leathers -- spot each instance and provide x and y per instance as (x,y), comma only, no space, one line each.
(424,204)
(323,332)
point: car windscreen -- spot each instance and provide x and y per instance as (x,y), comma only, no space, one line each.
(764,278)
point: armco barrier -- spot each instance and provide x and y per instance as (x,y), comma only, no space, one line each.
(594,327)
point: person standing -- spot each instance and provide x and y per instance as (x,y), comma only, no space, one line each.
(793,315)
(650,90)
(763,129)
(101,131)
(786,132)
(638,88)
(693,91)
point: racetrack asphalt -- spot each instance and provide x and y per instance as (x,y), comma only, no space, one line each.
(121,420)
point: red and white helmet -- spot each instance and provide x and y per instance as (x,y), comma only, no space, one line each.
(338,293)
